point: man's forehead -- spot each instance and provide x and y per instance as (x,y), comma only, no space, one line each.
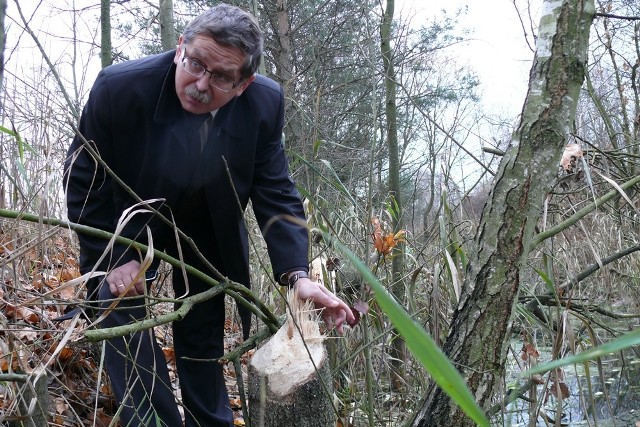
(200,49)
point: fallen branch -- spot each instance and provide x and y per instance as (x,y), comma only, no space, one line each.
(186,305)
(239,292)
(552,301)
(541,237)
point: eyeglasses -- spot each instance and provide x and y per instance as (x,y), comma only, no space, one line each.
(220,81)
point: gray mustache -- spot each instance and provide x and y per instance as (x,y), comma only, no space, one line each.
(199,96)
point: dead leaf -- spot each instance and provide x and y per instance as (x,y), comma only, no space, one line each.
(564,390)
(61,406)
(332,263)
(361,307)
(169,354)
(358,309)
(6,244)
(18,312)
(65,353)
(5,359)
(572,152)
(67,274)
(537,379)
(384,241)
(529,352)
(26,335)
(103,419)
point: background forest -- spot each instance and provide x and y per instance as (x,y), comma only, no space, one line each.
(401,169)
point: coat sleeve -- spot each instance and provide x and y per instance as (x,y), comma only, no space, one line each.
(277,203)
(88,186)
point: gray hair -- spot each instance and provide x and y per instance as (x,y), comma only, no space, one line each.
(230,26)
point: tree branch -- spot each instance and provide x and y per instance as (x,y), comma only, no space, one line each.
(568,303)
(626,18)
(541,237)
(241,293)
(179,314)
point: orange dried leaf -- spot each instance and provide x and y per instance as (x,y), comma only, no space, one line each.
(564,388)
(537,379)
(529,352)
(6,244)
(169,354)
(560,389)
(384,241)
(7,358)
(4,364)
(67,274)
(65,354)
(19,312)
(67,293)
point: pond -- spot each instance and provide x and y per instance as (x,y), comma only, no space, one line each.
(582,395)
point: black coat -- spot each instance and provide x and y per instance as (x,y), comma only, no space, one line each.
(135,121)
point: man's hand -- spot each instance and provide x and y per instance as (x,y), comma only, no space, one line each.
(335,312)
(121,278)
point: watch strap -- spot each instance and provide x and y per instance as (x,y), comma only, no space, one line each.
(295,276)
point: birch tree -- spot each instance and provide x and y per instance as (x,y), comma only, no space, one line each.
(481,326)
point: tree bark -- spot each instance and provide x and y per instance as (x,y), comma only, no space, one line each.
(168,37)
(481,327)
(106,57)
(3,10)
(398,346)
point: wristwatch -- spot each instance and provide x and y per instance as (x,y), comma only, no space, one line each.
(294,276)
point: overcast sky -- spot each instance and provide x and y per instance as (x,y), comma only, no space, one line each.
(497,49)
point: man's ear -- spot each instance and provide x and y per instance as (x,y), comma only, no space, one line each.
(176,59)
(244,85)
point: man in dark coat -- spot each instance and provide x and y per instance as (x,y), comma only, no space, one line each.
(197,134)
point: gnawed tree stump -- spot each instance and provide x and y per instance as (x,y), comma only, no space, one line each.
(290,383)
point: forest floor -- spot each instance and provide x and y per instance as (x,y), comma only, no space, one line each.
(33,293)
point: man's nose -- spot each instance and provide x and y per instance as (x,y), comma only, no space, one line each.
(203,82)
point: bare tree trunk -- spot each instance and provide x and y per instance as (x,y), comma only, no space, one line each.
(3,10)
(106,57)
(481,327)
(284,55)
(398,347)
(167,28)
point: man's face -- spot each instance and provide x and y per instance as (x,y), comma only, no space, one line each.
(196,94)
